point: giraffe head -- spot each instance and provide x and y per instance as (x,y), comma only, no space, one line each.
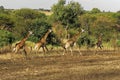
(50,30)
(30,32)
(101,34)
(82,30)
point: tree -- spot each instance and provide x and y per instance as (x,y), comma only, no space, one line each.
(104,24)
(58,9)
(86,21)
(95,10)
(6,22)
(26,13)
(67,14)
(39,27)
(24,20)
(1,8)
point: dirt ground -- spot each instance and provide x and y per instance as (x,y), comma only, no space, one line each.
(105,65)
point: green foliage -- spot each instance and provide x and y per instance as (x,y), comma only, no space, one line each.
(117,16)
(4,11)
(103,24)
(6,21)
(118,43)
(6,37)
(67,14)
(66,18)
(1,9)
(39,28)
(25,21)
(99,23)
(86,41)
(26,13)
(95,10)
(58,9)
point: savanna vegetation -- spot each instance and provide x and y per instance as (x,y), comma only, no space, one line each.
(64,19)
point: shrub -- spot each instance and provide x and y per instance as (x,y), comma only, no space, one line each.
(118,43)
(6,38)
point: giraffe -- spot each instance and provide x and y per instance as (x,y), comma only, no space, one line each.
(42,42)
(99,42)
(21,44)
(71,42)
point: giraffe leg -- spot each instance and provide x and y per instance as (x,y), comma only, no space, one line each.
(96,47)
(71,51)
(16,49)
(13,49)
(43,49)
(25,52)
(46,48)
(30,49)
(36,50)
(79,51)
(64,50)
(101,46)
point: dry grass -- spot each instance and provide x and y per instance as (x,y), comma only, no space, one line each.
(54,66)
(46,12)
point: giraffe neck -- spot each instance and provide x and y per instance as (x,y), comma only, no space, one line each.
(44,37)
(75,37)
(100,38)
(24,39)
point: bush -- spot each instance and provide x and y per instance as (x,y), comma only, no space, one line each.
(118,43)
(6,38)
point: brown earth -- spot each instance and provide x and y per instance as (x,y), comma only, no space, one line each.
(105,65)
